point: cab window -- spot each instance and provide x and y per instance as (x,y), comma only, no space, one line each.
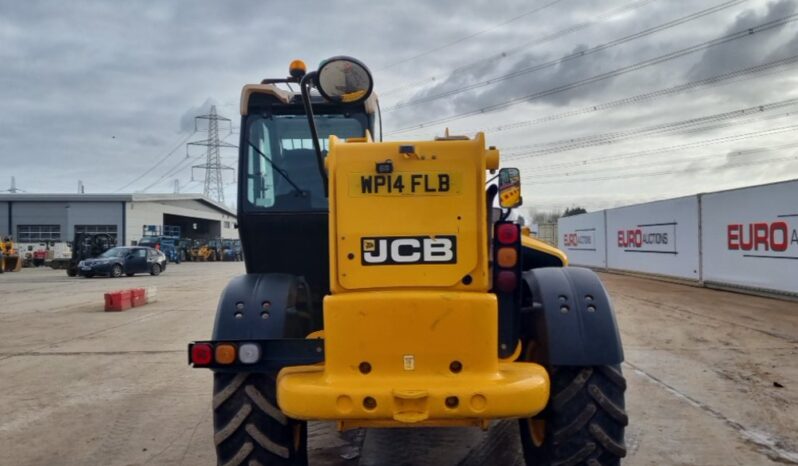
(284,145)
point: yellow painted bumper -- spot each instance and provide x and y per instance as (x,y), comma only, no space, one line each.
(412,357)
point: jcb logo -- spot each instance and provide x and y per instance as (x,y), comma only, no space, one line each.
(401,250)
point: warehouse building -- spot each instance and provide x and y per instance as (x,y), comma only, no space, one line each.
(57,217)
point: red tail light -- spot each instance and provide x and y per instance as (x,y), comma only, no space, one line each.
(202,354)
(507,233)
(506,281)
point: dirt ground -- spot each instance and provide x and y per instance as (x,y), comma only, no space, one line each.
(712,375)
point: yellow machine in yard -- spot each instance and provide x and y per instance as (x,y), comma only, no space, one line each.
(200,252)
(10,260)
(382,291)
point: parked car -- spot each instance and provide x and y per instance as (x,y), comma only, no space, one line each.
(124,260)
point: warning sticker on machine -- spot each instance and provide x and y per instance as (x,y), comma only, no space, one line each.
(404,183)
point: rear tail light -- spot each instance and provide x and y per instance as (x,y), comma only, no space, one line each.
(249,353)
(506,281)
(506,257)
(225,353)
(201,354)
(507,233)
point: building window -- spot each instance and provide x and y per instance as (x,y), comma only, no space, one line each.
(94,229)
(227,224)
(36,233)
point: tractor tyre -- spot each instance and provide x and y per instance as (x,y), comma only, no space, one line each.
(584,421)
(248,426)
(116,271)
(155,270)
(71,272)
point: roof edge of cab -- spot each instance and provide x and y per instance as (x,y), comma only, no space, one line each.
(286,96)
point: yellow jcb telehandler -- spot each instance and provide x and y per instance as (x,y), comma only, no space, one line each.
(382,292)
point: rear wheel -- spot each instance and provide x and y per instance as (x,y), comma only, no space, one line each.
(155,269)
(116,271)
(248,426)
(71,272)
(584,421)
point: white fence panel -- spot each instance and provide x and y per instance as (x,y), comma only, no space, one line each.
(657,238)
(582,237)
(750,237)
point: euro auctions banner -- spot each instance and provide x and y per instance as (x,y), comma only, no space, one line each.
(658,238)
(750,237)
(582,238)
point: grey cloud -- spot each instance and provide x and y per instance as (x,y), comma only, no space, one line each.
(746,52)
(93,89)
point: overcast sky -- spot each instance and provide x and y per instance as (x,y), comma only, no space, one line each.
(100,91)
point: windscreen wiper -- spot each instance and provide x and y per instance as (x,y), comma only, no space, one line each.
(276,168)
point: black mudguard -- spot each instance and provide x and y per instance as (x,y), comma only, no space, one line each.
(241,307)
(572,316)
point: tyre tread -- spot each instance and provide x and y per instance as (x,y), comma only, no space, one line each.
(249,429)
(225,432)
(607,405)
(573,388)
(585,419)
(609,444)
(578,423)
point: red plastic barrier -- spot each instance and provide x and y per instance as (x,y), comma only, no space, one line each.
(119,300)
(139,297)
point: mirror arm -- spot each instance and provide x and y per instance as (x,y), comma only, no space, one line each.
(304,87)
(379,116)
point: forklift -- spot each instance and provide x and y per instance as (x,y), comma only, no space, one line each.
(381,292)
(88,246)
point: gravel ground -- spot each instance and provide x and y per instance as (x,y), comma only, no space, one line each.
(713,378)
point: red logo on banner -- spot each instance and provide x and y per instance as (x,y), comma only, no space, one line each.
(760,236)
(630,238)
(570,239)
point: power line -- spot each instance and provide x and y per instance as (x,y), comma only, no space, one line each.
(667,172)
(183,164)
(724,78)
(470,36)
(531,43)
(569,57)
(607,138)
(610,74)
(667,162)
(159,162)
(661,150)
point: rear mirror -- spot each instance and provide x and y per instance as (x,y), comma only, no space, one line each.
(344,80)
(509,188)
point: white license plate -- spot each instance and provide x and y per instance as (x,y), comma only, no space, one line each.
(85,268)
